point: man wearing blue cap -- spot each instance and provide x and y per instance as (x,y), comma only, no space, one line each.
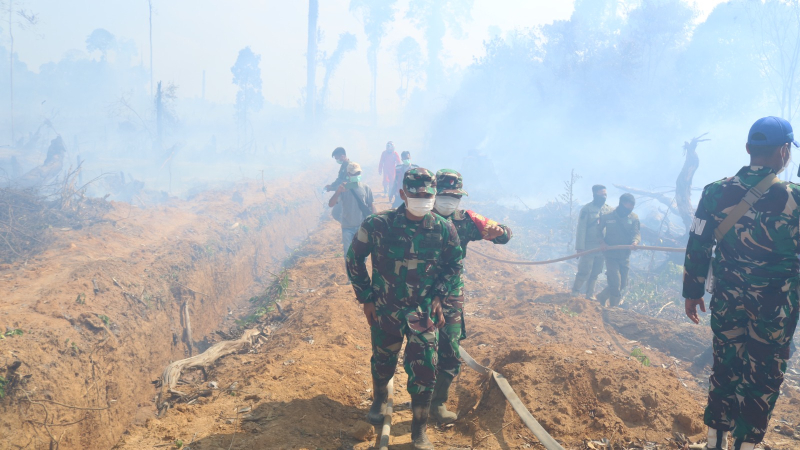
(753,219)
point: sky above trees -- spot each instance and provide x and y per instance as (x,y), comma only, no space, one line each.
(190,36)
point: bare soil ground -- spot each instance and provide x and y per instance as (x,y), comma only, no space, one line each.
(308,385)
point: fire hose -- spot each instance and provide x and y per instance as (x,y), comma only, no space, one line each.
(382,441)
(587,252)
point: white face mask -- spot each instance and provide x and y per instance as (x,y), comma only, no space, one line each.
(419,206)
(446,205)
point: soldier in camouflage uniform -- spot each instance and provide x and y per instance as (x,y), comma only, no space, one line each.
(416,257)
(621,227)
(471,227)
(754,304)
(589,236)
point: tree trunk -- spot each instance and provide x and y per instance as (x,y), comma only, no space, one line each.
(159,118)
(311,60)
(11,70)
(150,6)
(683,185)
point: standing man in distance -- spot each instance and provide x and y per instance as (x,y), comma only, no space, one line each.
(415,258)
(399,171)
(389,160)
(471,226)
(589,236)
(753,220)
(621,227)
(357,204)
(340,156)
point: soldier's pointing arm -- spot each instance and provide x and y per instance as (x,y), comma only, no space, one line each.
(698,250)
(361,247)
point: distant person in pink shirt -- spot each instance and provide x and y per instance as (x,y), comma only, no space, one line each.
(389,160)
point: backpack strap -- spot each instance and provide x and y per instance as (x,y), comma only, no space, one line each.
(747,202)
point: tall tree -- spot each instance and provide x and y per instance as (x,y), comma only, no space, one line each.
(16,18)
(434,18)
(247,75)
(409,64)
(376,15)
(150,10)
(102,41)
(311,60)
(776,29)
(346,43)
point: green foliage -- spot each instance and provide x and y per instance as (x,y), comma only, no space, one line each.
(565,309)
(12,333)
(648,292)
(3,383)
(639,355)
(105,319)
(265,303)
(81,300)
(178,443)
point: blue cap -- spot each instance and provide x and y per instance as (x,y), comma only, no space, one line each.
(771,131)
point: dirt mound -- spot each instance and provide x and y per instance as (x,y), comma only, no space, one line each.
(577,394)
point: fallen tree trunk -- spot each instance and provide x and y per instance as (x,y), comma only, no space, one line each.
(169,379)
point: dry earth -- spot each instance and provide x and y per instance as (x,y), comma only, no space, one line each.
(308,385)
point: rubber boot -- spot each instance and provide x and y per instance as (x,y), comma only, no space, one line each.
(717,440)
(740,445)
(590,289)
(439,399)
(420,408)
(380,395)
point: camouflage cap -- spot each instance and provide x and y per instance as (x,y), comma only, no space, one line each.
(448,181)
(353,168)
(419,181)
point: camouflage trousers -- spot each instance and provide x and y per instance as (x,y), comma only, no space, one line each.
(419,360)
(753,326)
(450,335)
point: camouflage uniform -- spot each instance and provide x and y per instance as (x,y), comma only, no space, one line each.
(411,263)
(619,230)
(450,181)
(589,236)
(754,307)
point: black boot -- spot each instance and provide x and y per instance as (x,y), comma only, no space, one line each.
(420,408)
(380,395)
(438,408)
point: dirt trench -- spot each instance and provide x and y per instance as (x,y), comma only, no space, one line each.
(103,310)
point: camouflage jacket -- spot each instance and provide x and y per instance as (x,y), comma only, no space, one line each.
(589,234)
(762,247)
(620,230)
(468,231)
(411,261)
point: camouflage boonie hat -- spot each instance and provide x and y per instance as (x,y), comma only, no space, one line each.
(448,181)
(419,181)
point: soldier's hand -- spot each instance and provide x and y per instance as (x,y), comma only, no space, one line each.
(691,308)
(493,232)
(436,310)
(369,311)
(341,189)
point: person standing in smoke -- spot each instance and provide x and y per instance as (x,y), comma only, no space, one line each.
(471,226)
(589,236)
(389,160)
(416,256)
(621,227)
(751,219)
(357,204)
(399,171)
(340,156)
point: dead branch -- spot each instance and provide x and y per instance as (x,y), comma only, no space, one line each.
(169,379)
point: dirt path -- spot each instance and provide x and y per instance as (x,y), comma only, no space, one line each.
(309,385)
